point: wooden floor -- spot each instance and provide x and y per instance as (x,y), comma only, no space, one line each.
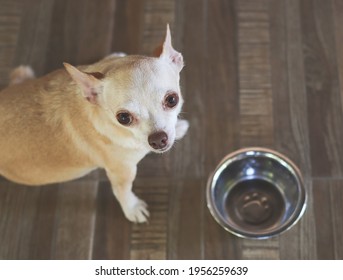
(258,73)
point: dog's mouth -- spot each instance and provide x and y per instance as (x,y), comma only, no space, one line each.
(161,150)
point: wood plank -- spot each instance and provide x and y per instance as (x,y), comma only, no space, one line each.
(10,19)
(252,5)
(44,224)
(156,16)
(255,96)
(328,195)
(337,210)
(256,104)
(299,241)
(96,31)
(261,249)
(185,220)
(149,241)
(18,206)
(322,85)
(288,82)
(75,220)
(290,101)
(221,99)
(187,158)
(27,220)
(128,24)
(220,94)
(337,8)
(80,32)
(111,239)
(36,222)
(323,215)
(34,33)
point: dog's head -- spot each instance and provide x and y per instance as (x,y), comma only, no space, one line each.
(140,95)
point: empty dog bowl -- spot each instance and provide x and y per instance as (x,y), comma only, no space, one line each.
(256,193)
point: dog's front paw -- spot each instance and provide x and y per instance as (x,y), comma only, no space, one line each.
(135,209)
(181,129)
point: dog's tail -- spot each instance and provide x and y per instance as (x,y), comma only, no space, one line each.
(21,74)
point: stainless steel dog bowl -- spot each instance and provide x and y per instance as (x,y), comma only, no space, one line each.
(256,193)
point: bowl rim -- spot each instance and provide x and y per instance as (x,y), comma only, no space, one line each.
(255,151)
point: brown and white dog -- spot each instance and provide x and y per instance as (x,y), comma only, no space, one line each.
(106,115)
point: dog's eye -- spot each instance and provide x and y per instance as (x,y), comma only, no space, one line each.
(171,100)
(124,118)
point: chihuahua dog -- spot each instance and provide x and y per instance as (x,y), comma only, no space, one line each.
(106,115)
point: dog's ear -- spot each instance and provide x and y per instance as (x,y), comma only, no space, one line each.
(169,53)
(90,83)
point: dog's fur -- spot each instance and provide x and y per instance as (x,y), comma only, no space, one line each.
(64,125)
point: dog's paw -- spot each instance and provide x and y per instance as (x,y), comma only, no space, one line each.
(136,210)
(21,74)
(181,129)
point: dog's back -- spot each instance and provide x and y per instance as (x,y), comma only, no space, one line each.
(31,122)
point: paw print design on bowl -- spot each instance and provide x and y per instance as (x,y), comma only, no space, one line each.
(256,208)
(255,203)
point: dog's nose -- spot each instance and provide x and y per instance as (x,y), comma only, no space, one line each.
(158,140)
